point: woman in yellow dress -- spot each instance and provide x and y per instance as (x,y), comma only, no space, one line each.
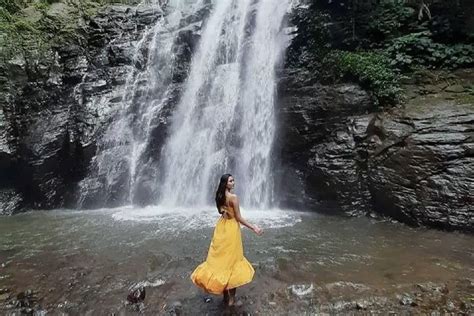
(226,268)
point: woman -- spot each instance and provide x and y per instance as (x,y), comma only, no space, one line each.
(226,268)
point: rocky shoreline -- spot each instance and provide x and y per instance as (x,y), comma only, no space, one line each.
(87,262)
(298,299)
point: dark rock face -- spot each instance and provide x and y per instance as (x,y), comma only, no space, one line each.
(55,110)
(414,164)
(321,127)
(50,126)
(145,101)
(421,169)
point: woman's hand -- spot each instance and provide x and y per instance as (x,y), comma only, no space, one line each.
(257,230)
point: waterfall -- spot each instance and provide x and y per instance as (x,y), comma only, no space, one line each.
(170,140)
(225,120)
(125,167)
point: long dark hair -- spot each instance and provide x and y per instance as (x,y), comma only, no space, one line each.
(220,193)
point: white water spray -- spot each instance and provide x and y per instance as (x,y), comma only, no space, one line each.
(225,120)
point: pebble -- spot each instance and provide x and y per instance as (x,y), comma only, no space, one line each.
(406,300)
(4,297)
(373,215)
(455,88)
(177,304)
(301,290)
(450,306)
(361,305)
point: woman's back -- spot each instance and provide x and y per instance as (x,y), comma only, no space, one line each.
(228,211)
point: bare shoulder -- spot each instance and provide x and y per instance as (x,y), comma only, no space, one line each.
(233,197)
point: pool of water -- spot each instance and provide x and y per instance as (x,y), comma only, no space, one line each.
(83,262)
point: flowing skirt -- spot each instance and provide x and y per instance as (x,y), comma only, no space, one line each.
(225,267)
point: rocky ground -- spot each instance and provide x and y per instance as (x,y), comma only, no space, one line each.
(86,263)
(266,296)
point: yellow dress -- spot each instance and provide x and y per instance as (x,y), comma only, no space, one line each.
(225,267)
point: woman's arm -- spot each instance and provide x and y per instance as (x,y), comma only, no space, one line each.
(235,205)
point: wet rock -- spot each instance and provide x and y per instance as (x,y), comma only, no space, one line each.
(137,295)
(10,202)
(433,287)
(177,305)
(349,286)
(426,168)
(147,14)
(455,88)
(374,215)
(175,308)
(25,299)
(362,304)
(467,305)
(52,113)
(340,306)
(4,297)
(406,299)
(319,131)
(412,164)
(301,290)
(450,306)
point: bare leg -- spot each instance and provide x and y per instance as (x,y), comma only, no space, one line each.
(226,297)
(232,296)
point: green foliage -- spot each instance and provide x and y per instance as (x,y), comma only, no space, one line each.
(311,40)
(42,6)
(35,38)
(370,69)
(374,42)
(5,17)
(388,20)
(419,49)
(12,6)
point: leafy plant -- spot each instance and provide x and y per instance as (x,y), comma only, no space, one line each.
(388,20)
(419,49)
(12,6)
(370,69)
(311,40)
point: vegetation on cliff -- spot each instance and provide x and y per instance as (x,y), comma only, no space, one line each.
(31,28)
(376,43)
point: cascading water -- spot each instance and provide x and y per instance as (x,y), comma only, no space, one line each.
(225,120)
(125,167)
